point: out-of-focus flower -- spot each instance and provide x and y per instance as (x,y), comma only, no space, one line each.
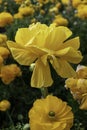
(76,3)
(44,44)
(43,1)
(82,11)
(18,16)
(4,105)
(54,10)
(5,18)
(19,1)
(50,117)
(0,1)
(9,73)
(78,86)
(3,39)
(1,60)
(81,72)
(60,21)
(27,10)
(65,2)
(83,104)
(4,52)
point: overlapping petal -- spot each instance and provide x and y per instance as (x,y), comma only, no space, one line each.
(41,76)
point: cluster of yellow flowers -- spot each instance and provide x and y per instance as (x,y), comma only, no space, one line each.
(78,86)
(7,72)
(43,45)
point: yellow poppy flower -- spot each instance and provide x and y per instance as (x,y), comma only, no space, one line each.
(4,105)
(50,117)
(5,18)
(43,44)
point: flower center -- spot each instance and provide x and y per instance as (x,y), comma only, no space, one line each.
(51,114)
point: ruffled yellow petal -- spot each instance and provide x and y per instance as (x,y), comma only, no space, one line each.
(41,76)
(62,67)
(83,105)
(74,43)
(56,37)
(69,54)
(23,35)
(21,55)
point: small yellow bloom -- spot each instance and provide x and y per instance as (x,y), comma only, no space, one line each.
(60,21)
(5,18)
(26,10)
(1,60)
(82,11)
(43,44)
(4,105)
(18,16)
(81,72)
(9,73)
(19,1)
(83,104)
(3,39)
(4,52)
(43,1)
(50,117)
(65,2)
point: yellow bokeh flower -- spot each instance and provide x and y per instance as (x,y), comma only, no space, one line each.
(50,117)
(43,44)
(3,39)
(9,73)
(4,52)
(5,18)
(4,105)
(60,21)
(27,10)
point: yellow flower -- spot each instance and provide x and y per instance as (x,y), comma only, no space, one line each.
(4,105)
(5,18)
(18,16)
(81,72)
(26,10)
(78,86)
(3,39)
(82,11)
(45,116)
(83,104)
(60,21)
(4,52)
(76,3)
(19,1)
(0,1)
(43,44)
(43,1)
(9,73)
(1,60)
(66,2)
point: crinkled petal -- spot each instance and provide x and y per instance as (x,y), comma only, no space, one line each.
(56,37)
(21,55)
(62,67)
(74,43)
(41,76)
(70,55)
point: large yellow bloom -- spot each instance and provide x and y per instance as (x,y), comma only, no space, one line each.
(45,116)
(42,44)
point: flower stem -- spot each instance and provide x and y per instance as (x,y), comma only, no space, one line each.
(10,119)
(44,92)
